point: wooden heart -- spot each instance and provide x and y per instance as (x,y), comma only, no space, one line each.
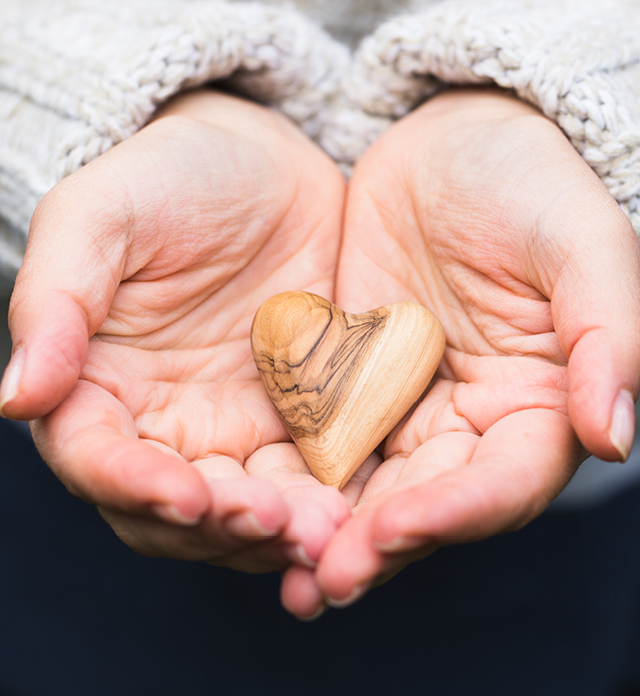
(341,381)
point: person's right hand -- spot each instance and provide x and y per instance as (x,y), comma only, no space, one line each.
(479,208)
(142,275)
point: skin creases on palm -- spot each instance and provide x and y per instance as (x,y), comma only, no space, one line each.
(222,216)
(182,366)
(192,386)
(417,230)
(494,365)
(472,206)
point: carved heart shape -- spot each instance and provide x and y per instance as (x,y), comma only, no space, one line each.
(341,381)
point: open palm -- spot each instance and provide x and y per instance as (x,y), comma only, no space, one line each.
(192,224)
(162,250)
(458,208)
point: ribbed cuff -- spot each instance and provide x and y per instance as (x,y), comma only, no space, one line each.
(78,77)
(578,61)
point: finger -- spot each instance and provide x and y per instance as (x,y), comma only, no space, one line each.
(315,510)
(91,444)
(71,270)
(307,532)
(227,535)
(360,481)
(159,539)
(519,465)
(300,594)
(332,502)
(381,568)
(244,507)
(354,560)
(350,562)
(592,275)
(302,541)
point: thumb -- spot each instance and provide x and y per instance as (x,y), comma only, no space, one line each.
(596,313)
(62,294)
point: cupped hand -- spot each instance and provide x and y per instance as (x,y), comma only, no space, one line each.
(142,275)
(479,208)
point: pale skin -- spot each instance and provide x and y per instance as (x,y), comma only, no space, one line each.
(479,208)
(162,251)
(474,205)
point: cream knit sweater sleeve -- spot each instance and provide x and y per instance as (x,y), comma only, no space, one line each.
(578,61)
(79,76)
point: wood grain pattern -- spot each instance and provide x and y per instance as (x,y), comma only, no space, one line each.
(342,381)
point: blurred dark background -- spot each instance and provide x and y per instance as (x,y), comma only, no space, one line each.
(5,339)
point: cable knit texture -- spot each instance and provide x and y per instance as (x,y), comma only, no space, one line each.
(579,62)
(79,76)
(76,78)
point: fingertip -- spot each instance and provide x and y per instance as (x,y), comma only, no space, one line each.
(297,553)
(170,487)
(269,505)
(337,505)
(397,522)
(354,595)
(350,561)
(601,401)
(308,532)
(10,385)
(172,514)
(300,594)
(246,525)
(623,424)
(322,608)
(248,507)
(51,341)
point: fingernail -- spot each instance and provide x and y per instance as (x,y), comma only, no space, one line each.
(246,524)
(301,557)
(12,375)
(355,595)
(402,544)
(321,610)
(623,421)
(170,513)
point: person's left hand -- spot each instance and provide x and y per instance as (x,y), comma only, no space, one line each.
(131,319)
(477,207)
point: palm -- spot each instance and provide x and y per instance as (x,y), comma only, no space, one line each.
(164,248)
(447,236)
(445,212)
(175,344)
(171,361)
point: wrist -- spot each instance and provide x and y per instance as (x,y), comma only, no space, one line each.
(231,113)
(476,104)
